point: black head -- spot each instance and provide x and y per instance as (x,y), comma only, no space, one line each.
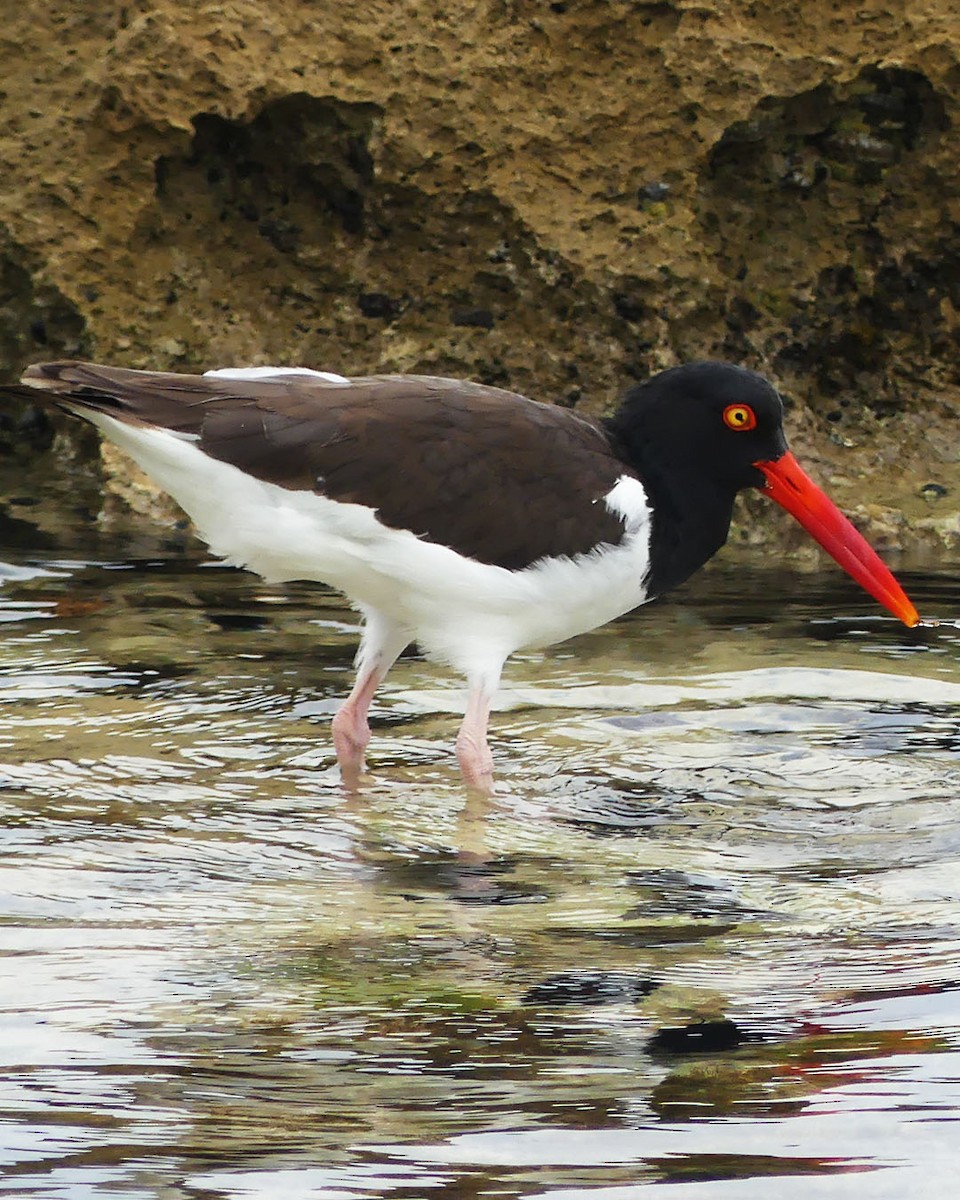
(710,421)
(694,434)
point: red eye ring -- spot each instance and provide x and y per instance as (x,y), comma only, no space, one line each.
(739,417)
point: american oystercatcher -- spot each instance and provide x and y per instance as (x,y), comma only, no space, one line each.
(470,520)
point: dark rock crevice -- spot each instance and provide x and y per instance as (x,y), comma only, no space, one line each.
(809,207)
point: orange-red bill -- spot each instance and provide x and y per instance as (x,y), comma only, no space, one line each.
(794,490)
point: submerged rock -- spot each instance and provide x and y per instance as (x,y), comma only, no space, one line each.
(702,1037)
(589,988)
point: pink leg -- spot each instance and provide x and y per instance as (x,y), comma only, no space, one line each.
(351,732)
(380,646)
(473,752)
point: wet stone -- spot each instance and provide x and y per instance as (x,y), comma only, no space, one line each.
(462,879)
(589,988)
(702,1037)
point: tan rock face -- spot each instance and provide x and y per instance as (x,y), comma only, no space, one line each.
(558,198)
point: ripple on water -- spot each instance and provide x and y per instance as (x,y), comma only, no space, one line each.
(225,976)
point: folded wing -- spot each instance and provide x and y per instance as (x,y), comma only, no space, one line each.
(452,462)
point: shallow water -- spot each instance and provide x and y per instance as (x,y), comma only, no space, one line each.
(706,934)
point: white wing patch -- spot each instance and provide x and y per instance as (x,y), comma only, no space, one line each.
(253,373)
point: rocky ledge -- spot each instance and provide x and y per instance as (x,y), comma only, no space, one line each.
(555,197)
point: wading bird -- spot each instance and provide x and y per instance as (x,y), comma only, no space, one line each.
(470,520)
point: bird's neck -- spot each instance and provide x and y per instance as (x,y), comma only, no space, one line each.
(691,511)
(690,523)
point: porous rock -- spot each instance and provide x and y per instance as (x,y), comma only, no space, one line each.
(615,186)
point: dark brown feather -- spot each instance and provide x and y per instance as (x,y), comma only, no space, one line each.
(493,475)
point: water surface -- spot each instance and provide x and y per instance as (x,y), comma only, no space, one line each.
(706,933)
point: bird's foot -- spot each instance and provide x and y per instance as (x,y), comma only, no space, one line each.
(476,764)
(351,733)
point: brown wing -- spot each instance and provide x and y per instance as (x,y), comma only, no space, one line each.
(493,475)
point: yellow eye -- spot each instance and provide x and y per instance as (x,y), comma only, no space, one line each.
(739,417)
